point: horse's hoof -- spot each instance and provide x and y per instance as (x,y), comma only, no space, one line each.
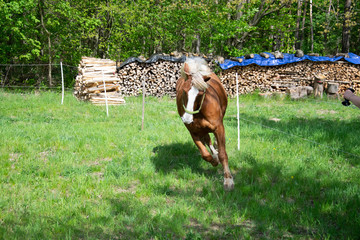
(228,184)
(214,163)
(215,160)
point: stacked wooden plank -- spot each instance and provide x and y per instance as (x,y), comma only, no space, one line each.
(89,85)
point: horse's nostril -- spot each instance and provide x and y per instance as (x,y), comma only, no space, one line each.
(207,78)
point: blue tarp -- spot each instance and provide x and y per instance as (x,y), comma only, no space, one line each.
(353,58)
(288,58)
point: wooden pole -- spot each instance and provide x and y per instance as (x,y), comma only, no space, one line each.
(143,104)
(62,83)
(106,102)
(237,106)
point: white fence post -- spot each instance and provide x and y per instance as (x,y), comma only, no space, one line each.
(237,105)
(106,102)
(143,103)
(62,83)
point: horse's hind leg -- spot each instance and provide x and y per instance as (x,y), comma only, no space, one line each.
(199,142)
(213,148)
(220,137)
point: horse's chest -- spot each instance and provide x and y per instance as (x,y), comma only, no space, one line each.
(200,125)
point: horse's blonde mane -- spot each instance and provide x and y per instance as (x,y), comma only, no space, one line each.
(198,68)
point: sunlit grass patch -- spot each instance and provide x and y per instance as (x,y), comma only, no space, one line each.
(69,171)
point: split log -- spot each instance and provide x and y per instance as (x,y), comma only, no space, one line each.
(249,56)
(299,53)
(299,92)
(89,85)
(219,59)
(278,55)
(332,88)
(264,55)
(342,55)
(314,54)
(235,59)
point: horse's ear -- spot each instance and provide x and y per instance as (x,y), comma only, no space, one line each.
(186,69)
(206,78)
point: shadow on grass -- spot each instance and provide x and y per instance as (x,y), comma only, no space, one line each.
(177,156)
(273,203)
(329,207)
(267,203)
(339,137)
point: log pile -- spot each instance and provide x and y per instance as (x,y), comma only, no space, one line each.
(160,78)
(280,78)
(89,85)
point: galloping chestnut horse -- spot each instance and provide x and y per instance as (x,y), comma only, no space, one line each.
(201,102)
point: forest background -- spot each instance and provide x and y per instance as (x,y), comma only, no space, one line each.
(53,31)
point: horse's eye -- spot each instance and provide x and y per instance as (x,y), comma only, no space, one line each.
(206,78)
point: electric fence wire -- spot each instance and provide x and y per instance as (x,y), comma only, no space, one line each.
(302,138)
(34,65)
(293,135)
(241,118)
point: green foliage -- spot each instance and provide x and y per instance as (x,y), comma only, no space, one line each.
(121,29)
(18,40)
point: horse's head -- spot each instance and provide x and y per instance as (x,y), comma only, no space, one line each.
(197,72)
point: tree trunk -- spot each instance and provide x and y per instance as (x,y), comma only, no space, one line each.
(303,25)
(297,35)
(197,48)
(41,10)
(327,24)
(50,61)
(311,29)
(346,27)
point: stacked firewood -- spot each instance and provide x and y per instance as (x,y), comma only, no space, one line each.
(89,85)
(280,78)
(160,78)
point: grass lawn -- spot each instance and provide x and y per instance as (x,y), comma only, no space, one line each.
(70,172)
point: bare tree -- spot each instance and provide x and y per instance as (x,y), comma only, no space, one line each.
(297,33)
(42,14)
(311,28)
(266,8)
(346,27)
(327,24)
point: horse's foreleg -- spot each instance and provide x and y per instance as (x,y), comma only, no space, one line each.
(220,137)
(203,151)
(213,148)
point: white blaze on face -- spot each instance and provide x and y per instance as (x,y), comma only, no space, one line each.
(188,118)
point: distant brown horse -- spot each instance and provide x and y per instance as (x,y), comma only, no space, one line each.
(201,102)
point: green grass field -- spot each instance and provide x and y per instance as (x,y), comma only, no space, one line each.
(70,172)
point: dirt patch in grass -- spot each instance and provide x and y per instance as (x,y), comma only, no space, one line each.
(130,189)
(325,112)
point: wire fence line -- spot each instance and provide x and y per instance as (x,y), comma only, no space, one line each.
(32,87)
(35,64)
(56,72)
(300,137)
(45,76)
